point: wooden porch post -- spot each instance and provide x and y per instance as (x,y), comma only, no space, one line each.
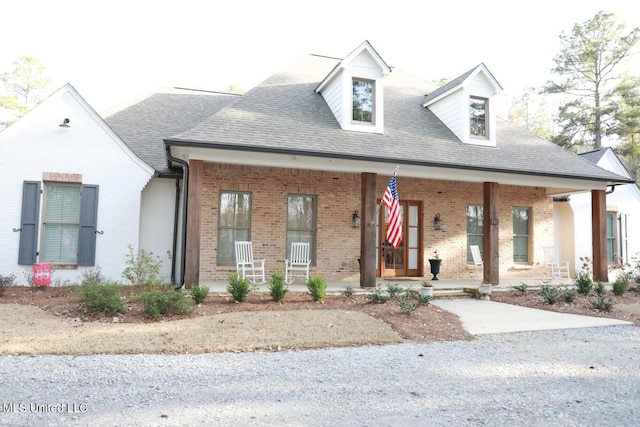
(194,206)
(490,191)
(599,235)
(368,231)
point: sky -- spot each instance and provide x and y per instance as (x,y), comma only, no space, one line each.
(114,51)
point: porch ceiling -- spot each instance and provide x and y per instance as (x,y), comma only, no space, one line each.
(554,185)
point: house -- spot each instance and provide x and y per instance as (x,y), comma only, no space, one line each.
(78,189)
(304,156)
(573,217)
(307,155)
(70,192)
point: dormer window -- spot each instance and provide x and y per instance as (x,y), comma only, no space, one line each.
(363,101)
(478,117)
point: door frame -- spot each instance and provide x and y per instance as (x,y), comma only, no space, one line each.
(381,239)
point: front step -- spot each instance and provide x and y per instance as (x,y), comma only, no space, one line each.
(451,293)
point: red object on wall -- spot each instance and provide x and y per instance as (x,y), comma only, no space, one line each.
(42,274)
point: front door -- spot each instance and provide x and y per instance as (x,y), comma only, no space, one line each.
(406,259)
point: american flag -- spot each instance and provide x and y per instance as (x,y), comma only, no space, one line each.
(392,202)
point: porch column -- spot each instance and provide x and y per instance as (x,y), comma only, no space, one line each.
(368,230)
(491,226)
(599,235)
(194,206)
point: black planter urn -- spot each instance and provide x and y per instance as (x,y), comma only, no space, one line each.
(435,268)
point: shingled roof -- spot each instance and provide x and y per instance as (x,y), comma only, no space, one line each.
(144,125)
(285,115)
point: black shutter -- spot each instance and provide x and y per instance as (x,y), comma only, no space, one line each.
(28,249)
(88,224)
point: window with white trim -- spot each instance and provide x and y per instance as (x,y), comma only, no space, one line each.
(478,115)
(363,101)
(521,234)
(475,229)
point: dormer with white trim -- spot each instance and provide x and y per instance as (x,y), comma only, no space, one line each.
(354,90)
(465,105)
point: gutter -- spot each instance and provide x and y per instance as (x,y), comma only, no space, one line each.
(185,179)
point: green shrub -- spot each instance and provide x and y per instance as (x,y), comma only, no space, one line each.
(620,285)
(394,290)
(278,289)
(550,294)
(142,268)
(601,302)
(317,288)
(522,287)
(409,301)
(238,288)
(165,300)
(569,295)
(103,298)
(348,291)
(583,282)
(198,293)
(378,295)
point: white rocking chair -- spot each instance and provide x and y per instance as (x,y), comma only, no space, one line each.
(477,260)
(246,266)
(559,269)
(298,264)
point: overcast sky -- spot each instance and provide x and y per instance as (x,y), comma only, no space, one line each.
(115,50)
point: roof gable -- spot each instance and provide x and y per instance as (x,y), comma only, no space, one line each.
(67,106)
(365,50)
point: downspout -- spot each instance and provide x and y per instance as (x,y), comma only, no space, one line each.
(613,188)
(185,180)
(175,231)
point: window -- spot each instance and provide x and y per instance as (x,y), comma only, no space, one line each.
(234,223)
(363,101)
(478,117)
(521,218)
(611,237)
(475,229)
(301,222)
(60,223)
(68,227)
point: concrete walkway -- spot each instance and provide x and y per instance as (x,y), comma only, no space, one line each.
(480,317)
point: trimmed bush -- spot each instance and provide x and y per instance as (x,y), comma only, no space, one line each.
(198,293)
(620,285)
(238,288)
(165,300)
(317,288)
(103,298)
(278,289)
(583,282)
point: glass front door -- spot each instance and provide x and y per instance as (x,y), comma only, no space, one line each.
(405,260)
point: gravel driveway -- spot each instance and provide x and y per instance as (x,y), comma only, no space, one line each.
(570,377)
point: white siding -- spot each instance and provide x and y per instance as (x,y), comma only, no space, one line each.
(157,221)
(333,97)
(450,111)
(37,144)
